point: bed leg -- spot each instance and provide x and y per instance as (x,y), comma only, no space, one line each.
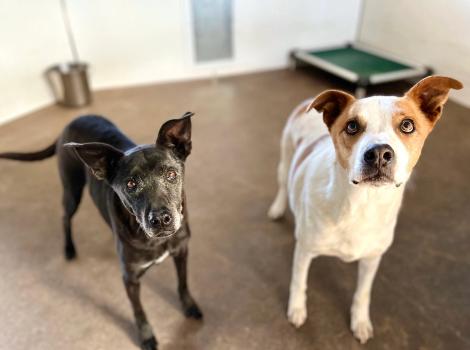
(292,62)
(361,91)
(361,88)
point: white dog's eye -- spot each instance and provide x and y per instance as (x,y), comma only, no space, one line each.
(407,126)
(352,127)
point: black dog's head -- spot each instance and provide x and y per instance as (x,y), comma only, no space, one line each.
(148,179)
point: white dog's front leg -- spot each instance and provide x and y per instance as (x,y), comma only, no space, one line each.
(360,319)
(297,310)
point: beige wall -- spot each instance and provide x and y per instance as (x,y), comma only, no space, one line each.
(433,32)
(131,42)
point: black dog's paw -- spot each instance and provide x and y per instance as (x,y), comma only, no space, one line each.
(70,252)
(193,311)
(149,344)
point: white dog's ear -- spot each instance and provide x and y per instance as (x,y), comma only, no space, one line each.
(431,93)
(331,103)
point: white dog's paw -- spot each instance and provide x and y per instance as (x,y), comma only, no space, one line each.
(277,209)
(297,316)
(362,330)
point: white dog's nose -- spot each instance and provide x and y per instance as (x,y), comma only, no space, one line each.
(379,156)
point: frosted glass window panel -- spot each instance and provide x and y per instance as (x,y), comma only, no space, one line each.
(212,29)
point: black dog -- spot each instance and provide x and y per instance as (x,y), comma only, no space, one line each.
(138,191)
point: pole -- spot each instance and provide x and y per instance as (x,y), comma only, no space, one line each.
(68,29)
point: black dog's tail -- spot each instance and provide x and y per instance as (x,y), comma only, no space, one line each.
(33,156)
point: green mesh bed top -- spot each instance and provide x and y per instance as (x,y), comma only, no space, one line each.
(360,62)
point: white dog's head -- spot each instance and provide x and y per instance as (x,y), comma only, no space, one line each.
(378,140)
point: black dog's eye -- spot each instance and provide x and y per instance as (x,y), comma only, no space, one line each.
(407,126)
(131,184)
(352,127)
(171,175)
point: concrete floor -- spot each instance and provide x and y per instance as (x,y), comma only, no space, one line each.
(239,261)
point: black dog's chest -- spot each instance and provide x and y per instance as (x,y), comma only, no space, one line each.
(145,259)
(145,254)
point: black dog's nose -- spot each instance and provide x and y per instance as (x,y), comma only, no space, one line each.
(160,218)
(379,156)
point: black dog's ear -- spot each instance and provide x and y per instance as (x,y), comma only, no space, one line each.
(176,135)
(99,157)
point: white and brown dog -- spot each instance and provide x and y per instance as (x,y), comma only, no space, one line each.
(344,181)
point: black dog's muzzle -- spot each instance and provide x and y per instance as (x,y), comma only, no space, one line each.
(159,219)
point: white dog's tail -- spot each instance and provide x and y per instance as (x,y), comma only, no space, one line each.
(279,206)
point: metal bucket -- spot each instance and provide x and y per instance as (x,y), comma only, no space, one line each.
(69,84)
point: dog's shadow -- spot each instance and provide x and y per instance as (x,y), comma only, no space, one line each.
(167,291)
(330,280)
(74,291)
(126,323)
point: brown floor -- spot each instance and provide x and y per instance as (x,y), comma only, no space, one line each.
(240,262)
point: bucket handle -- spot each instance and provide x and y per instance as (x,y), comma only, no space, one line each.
(53,77)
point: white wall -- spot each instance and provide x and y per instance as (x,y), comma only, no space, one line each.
(433,32)
(266,30)
(31,38)
(131,42)
(151,40)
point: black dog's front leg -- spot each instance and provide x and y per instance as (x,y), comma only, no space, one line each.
(190,307)
(146,336)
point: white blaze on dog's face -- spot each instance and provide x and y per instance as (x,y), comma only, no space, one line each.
(378,155)
(378,140)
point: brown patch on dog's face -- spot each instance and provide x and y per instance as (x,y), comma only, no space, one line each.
(423,105)
(343,141)
(335,106)
(407,112)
